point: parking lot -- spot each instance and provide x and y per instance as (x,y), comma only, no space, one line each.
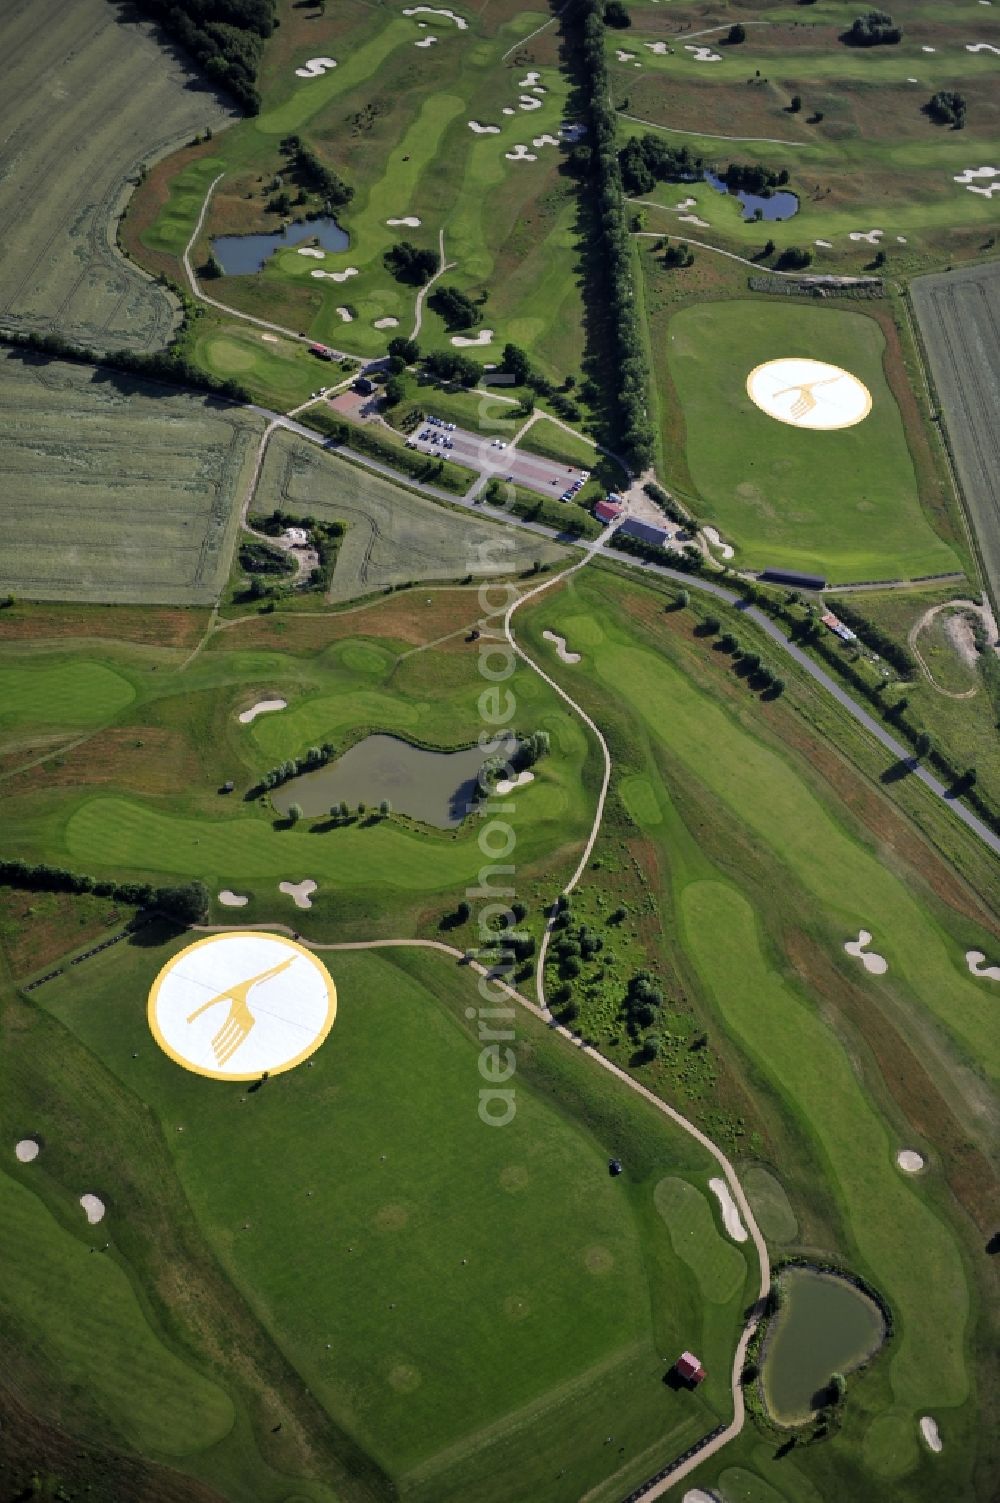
(544,476)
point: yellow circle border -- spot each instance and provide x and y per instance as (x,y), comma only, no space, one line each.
(211,939)
(804,427)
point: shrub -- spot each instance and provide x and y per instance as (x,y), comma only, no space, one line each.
(875,28)
(408,264)
(947,108)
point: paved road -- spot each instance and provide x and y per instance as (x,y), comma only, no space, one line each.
(706,586)
(547,477)
(860,714)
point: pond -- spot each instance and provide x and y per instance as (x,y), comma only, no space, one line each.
(242,255)
(825,1326)
(778,205)
(436,787)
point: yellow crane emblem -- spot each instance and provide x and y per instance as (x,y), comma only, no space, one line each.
(240,1020)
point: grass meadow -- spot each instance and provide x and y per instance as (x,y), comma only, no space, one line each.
(118,489)
(726,799)
(447,1293)
(846,504)
(860,152)
(115,99)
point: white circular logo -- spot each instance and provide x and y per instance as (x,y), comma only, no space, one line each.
(232,1006)
(809,393)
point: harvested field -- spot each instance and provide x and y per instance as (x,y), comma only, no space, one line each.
(958,313)
(89,97)
(393,536)
(118,489)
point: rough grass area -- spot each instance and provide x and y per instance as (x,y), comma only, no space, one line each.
(393,536)
(861,152)
(114,99)
(436,1265)
(117,489)
(844,505)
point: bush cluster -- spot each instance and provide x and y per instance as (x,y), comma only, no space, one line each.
(315,175)
(224,37)
(875,28)
(947,107)
(515,363)
(408,264)
(647,160)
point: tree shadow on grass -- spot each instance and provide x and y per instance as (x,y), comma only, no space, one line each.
(899,770)
(154,932)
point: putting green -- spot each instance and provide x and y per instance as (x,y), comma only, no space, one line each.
(719,1268)
(40,692)
(843,503)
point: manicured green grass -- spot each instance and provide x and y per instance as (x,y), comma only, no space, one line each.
(716,1264)
(61,693)
(844,504)
(276,371)
(395,1272)
(86,1346)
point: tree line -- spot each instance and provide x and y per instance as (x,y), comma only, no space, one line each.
(615,291)
(187,903)
(224,37)
(168,366)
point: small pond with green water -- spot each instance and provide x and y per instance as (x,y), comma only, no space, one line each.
(436,787)
(826,1325)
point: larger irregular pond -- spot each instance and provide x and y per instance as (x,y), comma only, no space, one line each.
(826,1325)
(436,787)
(777,205)
(242,255)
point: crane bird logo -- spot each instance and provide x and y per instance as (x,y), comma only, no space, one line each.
(236,1029)
(807,393)
(237,1005)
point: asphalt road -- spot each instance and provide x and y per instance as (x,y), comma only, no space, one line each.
(543,476)
(706,586)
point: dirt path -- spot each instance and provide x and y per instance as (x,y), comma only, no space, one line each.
(676,130)
(985,614)
(443,266)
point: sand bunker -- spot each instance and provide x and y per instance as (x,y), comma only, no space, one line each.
(230,899)
(982,47)
(660,48)
(716,542)
(876,965)
(928,49)
(698,1495)
(624,57)
(703,54)
(26,1150)
(809,394)
(262,707)
(386,323)
(967,180)
(269,338)
(427,42)
(310,250)
(507,785)
(685,203)
(824,244)
(484,130)
(429,10)
(316,67)
(299,891)
(562,651)
(930,1433)
(900,239)
(94,1208)
(974,960)
(910,1161)
(529,80)
(870,237)
(410,221)
(346,314)
(508,110)
(520,154)
(702,224)
(731,1218)
(913,80)
(529,102)
(483,337)
(545,141)
(336,276)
